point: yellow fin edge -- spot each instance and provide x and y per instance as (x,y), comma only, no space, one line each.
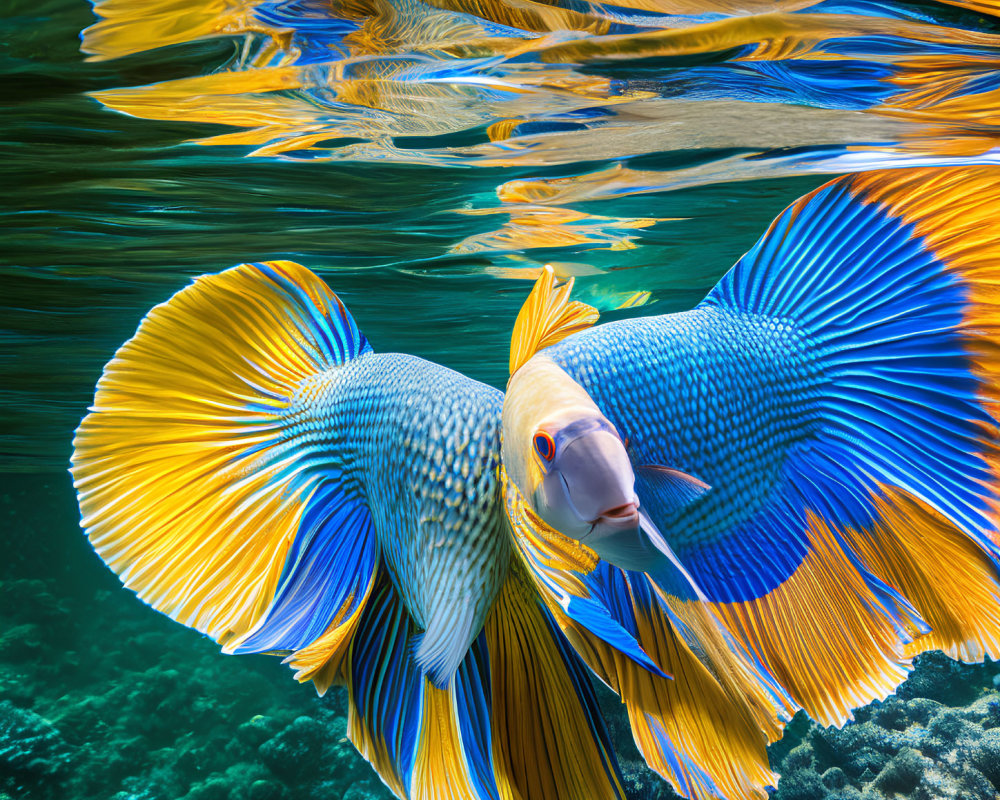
(548,316)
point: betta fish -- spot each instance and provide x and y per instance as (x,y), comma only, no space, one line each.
(254,470)
(809,455)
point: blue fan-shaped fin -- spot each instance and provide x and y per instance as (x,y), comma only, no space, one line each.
(327,574)
(879,289)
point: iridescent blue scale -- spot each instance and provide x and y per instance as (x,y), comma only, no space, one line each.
(724,397)
(419,444)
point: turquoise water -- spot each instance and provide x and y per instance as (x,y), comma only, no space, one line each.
(105,215)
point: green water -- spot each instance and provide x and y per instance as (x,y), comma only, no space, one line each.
(104,216)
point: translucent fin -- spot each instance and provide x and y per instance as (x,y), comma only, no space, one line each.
(547,316)
(194,484)
(518,721)
(674,488)
(441,648)
(889,282)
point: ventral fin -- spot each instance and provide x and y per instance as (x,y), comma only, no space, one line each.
(548,316)
(439,651)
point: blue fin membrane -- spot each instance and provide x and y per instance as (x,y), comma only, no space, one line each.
(875,296)
(328,573)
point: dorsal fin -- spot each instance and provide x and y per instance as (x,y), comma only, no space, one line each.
(547,316)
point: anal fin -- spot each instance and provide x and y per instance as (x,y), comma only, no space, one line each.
(518,722)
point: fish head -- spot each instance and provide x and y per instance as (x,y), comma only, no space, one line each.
(564,456)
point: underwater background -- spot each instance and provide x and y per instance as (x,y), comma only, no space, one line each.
(105,215)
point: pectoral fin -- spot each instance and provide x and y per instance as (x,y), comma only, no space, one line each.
(671,487)
(628,549)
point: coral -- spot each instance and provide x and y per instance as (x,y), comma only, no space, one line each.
(33,754)
(143,709)
(295,750)
(903,773)
(938,737)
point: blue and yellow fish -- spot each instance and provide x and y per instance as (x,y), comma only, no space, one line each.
(809,458)
(727,514)
(251,468)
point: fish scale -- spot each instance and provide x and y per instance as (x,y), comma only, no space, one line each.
(749,382)
(426,468)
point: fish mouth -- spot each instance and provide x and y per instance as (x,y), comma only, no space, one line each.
(624,517)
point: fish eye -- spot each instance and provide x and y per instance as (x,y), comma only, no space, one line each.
(544,446)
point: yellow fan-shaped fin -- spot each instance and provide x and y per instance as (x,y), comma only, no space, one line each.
(547,316)
(547,741)
(193,485)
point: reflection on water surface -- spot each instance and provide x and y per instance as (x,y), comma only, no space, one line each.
(428,157)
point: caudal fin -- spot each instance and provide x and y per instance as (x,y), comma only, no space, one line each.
(519,721)
(884,288)
(195,481)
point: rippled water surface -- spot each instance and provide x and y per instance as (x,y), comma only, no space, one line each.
(410,201)
(426,159)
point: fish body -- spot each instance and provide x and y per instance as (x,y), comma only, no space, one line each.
(253,469)
(419,444)
(611,578)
